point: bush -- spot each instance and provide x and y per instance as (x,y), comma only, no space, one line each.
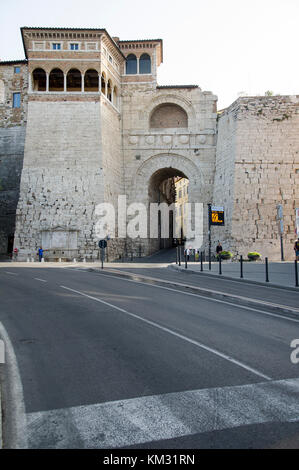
(225,255)
(253,256)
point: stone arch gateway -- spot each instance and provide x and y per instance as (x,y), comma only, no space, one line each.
(152,172)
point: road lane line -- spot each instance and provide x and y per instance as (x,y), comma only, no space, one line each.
(153,418)
(41,280)
(211,291)
(14,426)
(202,297)
(14,274)
(174,333)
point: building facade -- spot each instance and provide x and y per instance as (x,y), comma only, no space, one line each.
(84,122)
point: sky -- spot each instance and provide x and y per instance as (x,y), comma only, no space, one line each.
(227,47)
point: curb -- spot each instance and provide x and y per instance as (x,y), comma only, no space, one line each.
(1,442)
(13,415)
(238,300)
(230,278)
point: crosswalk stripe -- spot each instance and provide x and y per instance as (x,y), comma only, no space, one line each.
(158,417)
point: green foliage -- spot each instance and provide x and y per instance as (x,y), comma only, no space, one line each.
(225,255)
(254,255)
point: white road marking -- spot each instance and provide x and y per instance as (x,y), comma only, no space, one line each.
(200,296)
(14,274)
(174,333)
(158,417)
(211,291)
(41,280)
(12,394)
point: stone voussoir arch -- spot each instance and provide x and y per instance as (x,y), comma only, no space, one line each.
(183,164)
(170,98)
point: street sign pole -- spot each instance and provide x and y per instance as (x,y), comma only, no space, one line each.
(210,243)
(102,256)
(102,246)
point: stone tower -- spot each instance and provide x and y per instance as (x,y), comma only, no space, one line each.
(72,159)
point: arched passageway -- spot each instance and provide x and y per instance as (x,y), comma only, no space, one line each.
(169,186)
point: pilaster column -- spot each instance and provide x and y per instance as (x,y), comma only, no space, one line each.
(30,82)
(47,82)
(64,82)
(82,82)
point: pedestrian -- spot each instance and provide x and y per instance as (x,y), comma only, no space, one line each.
(15,254)
(296,248)
(218,248)
(188,253)
(40,253)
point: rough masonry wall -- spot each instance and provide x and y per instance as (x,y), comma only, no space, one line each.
(12,138)
(62,178)
(112,158)
(190,151)
(266,173)
(223,194)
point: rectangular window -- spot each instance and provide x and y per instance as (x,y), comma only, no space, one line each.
(74,47)
(110,59)
(17,69)
(56,46)
(16,102)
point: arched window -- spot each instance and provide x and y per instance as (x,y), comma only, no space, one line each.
(109,90)
(39,80)
(56,80)
(131,65)
(74,80)
(168,115)
(145,64)
(103,83)
(91,80)
(2,92)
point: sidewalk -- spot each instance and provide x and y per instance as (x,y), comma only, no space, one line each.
(280,273)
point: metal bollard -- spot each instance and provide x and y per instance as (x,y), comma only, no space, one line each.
(296,273)
(267,269)
(186,261)
(180,256)
(220,268)
(241,266)
(176,255)
(201,259)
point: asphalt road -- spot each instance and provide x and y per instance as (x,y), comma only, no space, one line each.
(107,362)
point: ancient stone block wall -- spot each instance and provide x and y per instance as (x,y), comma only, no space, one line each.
(62,178)
(223,190)
(12,138)
(266,163)
(112,163)
(188,152)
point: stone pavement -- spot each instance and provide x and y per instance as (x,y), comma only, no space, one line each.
(280,273)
